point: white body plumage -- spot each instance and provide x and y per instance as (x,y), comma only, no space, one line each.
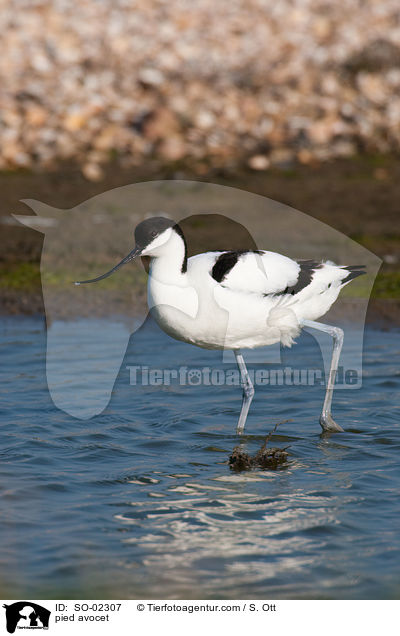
(237,300)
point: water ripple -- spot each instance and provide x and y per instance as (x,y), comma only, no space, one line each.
(140,501)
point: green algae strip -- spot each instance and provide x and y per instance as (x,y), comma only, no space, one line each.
(26,276)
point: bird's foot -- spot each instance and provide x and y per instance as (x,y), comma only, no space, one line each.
(329,425)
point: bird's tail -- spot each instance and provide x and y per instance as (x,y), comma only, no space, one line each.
(353,272)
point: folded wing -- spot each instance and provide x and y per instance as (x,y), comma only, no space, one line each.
(269,273)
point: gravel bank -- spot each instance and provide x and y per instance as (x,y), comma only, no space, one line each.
(206,84)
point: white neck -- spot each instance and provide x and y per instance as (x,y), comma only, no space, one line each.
(168,260)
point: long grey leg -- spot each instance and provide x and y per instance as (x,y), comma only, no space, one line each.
(326,420)
(248,391)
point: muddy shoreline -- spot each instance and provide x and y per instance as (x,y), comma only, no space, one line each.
(358,197)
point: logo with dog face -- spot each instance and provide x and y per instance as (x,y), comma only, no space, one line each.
(26,615)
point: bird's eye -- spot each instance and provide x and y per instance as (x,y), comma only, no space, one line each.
(154,234)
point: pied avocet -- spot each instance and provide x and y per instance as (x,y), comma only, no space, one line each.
(237,299)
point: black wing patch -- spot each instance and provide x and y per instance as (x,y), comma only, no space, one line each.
(227,261)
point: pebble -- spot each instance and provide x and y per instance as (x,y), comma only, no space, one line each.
(259,162)
(151,76)
(173,148)
(92,172)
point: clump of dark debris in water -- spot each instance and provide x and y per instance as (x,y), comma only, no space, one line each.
(269,458)
(265,458)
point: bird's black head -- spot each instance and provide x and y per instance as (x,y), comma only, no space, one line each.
(150,229)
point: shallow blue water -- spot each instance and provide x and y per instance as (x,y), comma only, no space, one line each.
(139,502)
